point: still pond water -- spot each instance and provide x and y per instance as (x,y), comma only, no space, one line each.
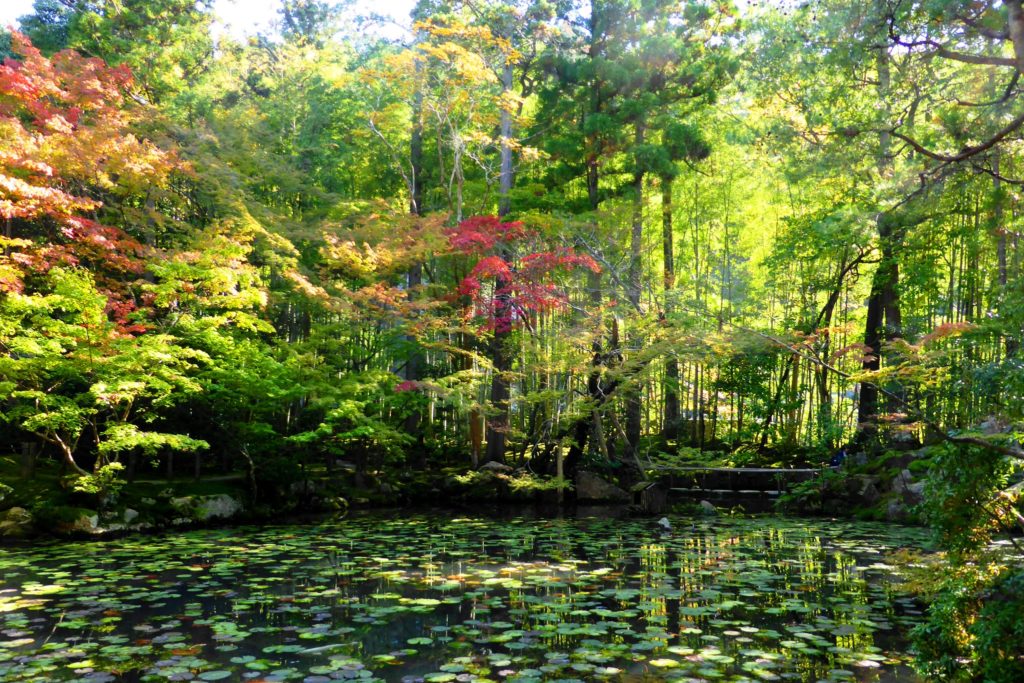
(431,597)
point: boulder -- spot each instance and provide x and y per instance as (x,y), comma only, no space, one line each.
(896,511)
(221,506)
(857,459)
(15,523)
(16,514)
(130,515)
(591,487)
(205,508)
(994,425)
(910,491)
(869,493)
(497,467)
(905,458)
(861,489)
(903,440)
(708,508)
(86,524)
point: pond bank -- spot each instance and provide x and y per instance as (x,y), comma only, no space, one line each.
(157,506)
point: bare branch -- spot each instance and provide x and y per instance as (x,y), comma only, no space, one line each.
(966,152)
(941,50)
(1010,91)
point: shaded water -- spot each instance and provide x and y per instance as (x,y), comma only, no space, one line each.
(436,598)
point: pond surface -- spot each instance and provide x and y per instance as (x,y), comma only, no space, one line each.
(429,597)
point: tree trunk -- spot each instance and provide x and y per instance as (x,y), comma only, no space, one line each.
(413,365)
(633,407)
(1011,342)
(671,424)
(586,425)
(1015,27)
(501,354)
(883,302)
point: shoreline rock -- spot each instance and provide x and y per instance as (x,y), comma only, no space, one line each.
(592,488)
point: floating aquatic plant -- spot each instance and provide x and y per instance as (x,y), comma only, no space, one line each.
(425,598)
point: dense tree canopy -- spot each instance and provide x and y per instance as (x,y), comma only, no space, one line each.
(562,236)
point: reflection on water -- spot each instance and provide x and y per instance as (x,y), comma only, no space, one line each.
(429,597)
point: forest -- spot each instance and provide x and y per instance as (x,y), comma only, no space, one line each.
(522,251)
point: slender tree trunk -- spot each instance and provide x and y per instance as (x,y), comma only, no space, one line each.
(671,426)
(501,354)
(416,150)
(505,176)
(585,426)
(774,405)
(67,452)
(413,366)
(633,407)
(1011,341)
(821,373)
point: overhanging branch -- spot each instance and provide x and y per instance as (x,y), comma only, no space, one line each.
(967,152)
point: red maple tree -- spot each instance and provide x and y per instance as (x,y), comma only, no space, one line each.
(519,284)
(66,142)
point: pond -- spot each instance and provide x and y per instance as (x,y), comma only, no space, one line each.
(433,597)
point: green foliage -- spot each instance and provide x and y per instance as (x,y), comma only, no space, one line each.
(167,43)
(51,515)
(822,494)
(269,310)
(999,631)
(967,500)
(353,426)
(48,24)
(943,642)
(121,438)
(72,369)
(105,482)
(518,482)
(973,629)
(5,44)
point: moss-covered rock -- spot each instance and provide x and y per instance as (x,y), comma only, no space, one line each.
(220,506)
(15,523)
(592,488)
